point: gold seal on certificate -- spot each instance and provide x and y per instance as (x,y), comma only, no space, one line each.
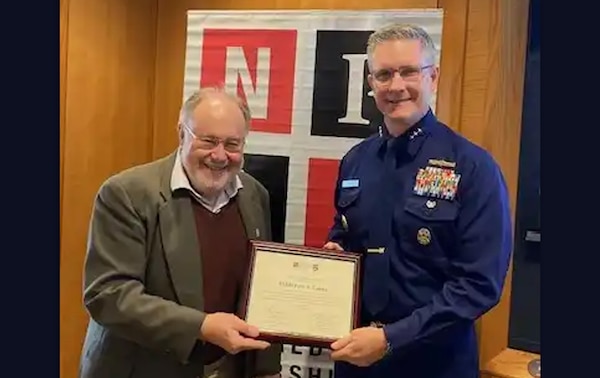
(301,295)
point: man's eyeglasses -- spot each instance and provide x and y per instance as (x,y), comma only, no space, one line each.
(210,142)
(407,73)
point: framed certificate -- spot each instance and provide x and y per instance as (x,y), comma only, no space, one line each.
(301,295)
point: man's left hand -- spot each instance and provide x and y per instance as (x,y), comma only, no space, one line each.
(362,347)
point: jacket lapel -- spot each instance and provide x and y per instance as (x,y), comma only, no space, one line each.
(180,243)
(252,214)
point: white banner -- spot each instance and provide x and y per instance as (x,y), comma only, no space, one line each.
(304,76)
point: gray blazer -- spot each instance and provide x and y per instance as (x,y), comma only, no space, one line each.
(143,283)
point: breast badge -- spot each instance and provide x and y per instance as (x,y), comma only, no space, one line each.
(424,236)
(437,180)
(442,163)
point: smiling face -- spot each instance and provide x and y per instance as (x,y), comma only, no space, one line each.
(403,79)
(212,144)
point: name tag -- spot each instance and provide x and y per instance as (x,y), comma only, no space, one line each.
(376,250)
(350,183)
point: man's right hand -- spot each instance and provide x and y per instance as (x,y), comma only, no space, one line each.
(230,333)
(333,246)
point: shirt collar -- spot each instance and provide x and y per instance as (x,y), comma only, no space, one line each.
(179,180)
(411,140)
(420,127)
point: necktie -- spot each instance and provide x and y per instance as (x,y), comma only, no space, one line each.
(376,271)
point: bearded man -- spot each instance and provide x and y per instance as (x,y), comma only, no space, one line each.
(167,254)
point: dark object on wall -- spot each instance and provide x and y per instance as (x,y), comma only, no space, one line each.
(524,330)
(272,172)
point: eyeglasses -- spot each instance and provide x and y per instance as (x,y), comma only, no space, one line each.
(210,142)
(407,73)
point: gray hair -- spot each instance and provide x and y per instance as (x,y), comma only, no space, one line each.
(189,105)
(399,31)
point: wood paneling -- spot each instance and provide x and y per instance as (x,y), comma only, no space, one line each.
(64,43)
(452,64)
(64,22)
(491,115)
(108,91)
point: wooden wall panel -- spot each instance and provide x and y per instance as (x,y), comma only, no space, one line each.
(491,116)
(171,49)
(452,62)
(64,19)
(108,117)
(64,22)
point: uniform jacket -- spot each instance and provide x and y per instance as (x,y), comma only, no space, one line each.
(143,281)
(429,211)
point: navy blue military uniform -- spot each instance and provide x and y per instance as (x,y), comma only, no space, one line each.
(430,213)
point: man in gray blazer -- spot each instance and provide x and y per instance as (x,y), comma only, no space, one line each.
(167,256)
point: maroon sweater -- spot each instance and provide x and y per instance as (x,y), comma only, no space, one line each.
(224,253)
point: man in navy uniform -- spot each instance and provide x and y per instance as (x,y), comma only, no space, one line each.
(430,213)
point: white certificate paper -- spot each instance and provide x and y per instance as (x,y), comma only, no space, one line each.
(301,296)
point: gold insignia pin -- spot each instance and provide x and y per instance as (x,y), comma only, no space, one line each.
(442,163)
(424,236)
(376,250)
(344,222)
